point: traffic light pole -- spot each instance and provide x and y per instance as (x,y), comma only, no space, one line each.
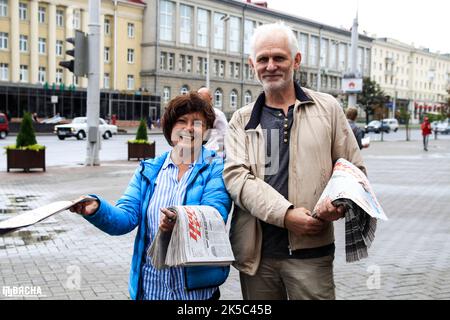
(93,90)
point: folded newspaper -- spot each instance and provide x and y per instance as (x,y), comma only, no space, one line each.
(349,187)
(34,216)
(199,237)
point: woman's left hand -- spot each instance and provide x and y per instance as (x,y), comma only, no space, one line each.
(167,220)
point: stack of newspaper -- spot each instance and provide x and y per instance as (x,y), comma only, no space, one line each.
(199,237)
(350,188)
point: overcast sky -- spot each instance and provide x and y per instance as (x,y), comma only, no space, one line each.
(424,23)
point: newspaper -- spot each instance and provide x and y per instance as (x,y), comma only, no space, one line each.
(199,237)
(349,187)
(34,216)
(365,142)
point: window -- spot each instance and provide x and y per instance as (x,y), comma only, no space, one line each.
(333,55)
(314,51)
(303,39)
(166,13)
(233,99)
(23,43)
(248,97)
(106,81)
(130,82)
(76,19)
(166,94)
(42,45)
(218,103)
(323,52)
(221,68)
(249,27)
(248,72)
(23,76)
(41,14)
(3,40)
(219,31)
(4,71)
(202,28)
(59,76)
(341,58)
(235,34)
(163,61)
(106,55)
(171,62)
(3,8)
(184,89)
(130,56)
(185,23)
(202,65)
(130,29)
(360,59)
(41,74)
(23,8)
(107,27)
(59,48)
(60,18)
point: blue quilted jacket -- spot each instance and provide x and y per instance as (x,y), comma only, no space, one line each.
(205,187)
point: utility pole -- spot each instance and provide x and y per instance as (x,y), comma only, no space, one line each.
(93,90)
(319,69)
(354,67)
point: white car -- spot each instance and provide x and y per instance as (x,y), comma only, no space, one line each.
(392,123)
(78,129)
(443,127)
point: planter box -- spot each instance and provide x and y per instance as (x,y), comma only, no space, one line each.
(141,150)
(25,159)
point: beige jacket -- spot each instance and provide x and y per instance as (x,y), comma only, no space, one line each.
(320,135)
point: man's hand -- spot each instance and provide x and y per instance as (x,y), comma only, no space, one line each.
(167,220)
(326,211)
(85,208)
(300,222)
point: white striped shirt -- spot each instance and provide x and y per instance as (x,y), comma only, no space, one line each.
(167,284)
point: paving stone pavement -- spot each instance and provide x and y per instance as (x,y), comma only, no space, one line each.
(67,258)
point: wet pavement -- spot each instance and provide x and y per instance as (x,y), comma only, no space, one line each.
(67,258)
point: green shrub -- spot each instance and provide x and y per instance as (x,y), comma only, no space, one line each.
(141,133)
(26,136)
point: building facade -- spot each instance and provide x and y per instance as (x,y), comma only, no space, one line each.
(189,44)
(414,78)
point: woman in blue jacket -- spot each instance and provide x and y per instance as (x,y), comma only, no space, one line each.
(187,175)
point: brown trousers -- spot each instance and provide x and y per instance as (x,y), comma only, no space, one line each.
(292,279)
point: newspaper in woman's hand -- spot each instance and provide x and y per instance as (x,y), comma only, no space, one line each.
(199,237)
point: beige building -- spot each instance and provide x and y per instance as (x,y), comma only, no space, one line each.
(414,77)
(33,33)
(187,44)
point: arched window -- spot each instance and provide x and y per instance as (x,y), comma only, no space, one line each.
(166,94)
(218,102)
(233,99)
(248,97)
(184,89)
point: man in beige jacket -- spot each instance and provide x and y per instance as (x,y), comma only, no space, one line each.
(280,155)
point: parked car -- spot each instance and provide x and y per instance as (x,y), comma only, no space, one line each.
(392,123)
(78,129)
(53,120)
(443,127)
(4,126)
(376,126)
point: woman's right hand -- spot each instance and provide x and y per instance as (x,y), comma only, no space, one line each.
(85,208)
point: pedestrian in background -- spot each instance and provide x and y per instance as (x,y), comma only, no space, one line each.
(426,131)
(280,155)
(219,129)
(352,114)
(189,174)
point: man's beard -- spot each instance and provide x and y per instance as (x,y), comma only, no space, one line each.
(278,85)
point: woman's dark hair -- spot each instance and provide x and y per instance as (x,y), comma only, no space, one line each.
(182,105)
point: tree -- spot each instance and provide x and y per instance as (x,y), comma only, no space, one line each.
(141,133)
(26,136)
(372,98)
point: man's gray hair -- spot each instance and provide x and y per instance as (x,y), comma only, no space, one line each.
(270,29)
